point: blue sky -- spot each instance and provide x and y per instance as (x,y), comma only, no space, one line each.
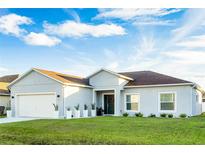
(81,41)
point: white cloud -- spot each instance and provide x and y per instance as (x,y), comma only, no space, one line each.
(187,57)
(80,65)
(127,14)
(41,39)
(153,22)
(10,24)
(3,69)
(73,13)
(144,48)
(193,42)
(74,29)
(191,21)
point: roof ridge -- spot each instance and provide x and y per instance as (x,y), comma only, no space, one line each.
(136,71)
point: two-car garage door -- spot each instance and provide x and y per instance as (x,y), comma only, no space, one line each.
(36,105)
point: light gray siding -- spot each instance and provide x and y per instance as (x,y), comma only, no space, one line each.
(149,99)
(107,81)
(78,95)
(196,104)
(37,83)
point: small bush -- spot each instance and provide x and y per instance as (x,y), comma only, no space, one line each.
(152,115)
(125,114)
(85,107)
(139,114)
(202,114)
(183,115)
(8,108)
(163,115)
(170,115)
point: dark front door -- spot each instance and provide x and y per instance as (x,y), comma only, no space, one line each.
(108,104)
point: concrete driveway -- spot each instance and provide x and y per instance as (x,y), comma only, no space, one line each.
(9,120)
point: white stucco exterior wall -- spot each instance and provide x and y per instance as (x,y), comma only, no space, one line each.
(104,81)
(77,95)
(196,104)
(37,83)
(149,99)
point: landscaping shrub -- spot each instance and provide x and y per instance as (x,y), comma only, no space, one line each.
(183,115)
(152,115)
(139,114)
(202,114)
(8,108)
(100,111)
(170,115)
(125,114)
(163,115)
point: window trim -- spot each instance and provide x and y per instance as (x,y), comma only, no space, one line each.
(125,102)
(175,103)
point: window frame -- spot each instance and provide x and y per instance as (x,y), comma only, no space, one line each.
(125,102)
(175,102)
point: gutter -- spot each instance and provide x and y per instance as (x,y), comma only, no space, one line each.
(2,94)
(78,85)
(160,85)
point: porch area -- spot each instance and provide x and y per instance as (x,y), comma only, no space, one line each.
(107,102)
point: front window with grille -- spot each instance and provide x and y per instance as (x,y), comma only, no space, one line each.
(132,102)
(167,101)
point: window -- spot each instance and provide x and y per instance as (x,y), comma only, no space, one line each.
(167,101)
(132,102)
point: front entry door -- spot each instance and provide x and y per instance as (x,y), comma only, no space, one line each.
(108,104)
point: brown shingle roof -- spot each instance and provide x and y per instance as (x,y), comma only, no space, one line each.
(64,78)
(8,78)
(4,81)
(4,92)
(151,78)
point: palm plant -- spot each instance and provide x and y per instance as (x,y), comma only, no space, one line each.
(93,106)
(77,107)
(55,107)
(85,107)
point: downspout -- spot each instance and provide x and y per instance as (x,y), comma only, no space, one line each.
(63,102)
(192,103)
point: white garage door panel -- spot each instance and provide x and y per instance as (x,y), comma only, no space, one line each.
(39,105)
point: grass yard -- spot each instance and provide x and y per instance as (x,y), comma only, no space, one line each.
(2,116)
(105,130)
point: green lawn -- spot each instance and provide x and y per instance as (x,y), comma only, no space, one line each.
(2,116)
(105,130)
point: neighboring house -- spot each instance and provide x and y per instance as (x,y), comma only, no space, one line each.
(34,93)
(4,92)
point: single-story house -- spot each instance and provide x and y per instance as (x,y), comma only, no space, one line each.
(4,92)
(34,93)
